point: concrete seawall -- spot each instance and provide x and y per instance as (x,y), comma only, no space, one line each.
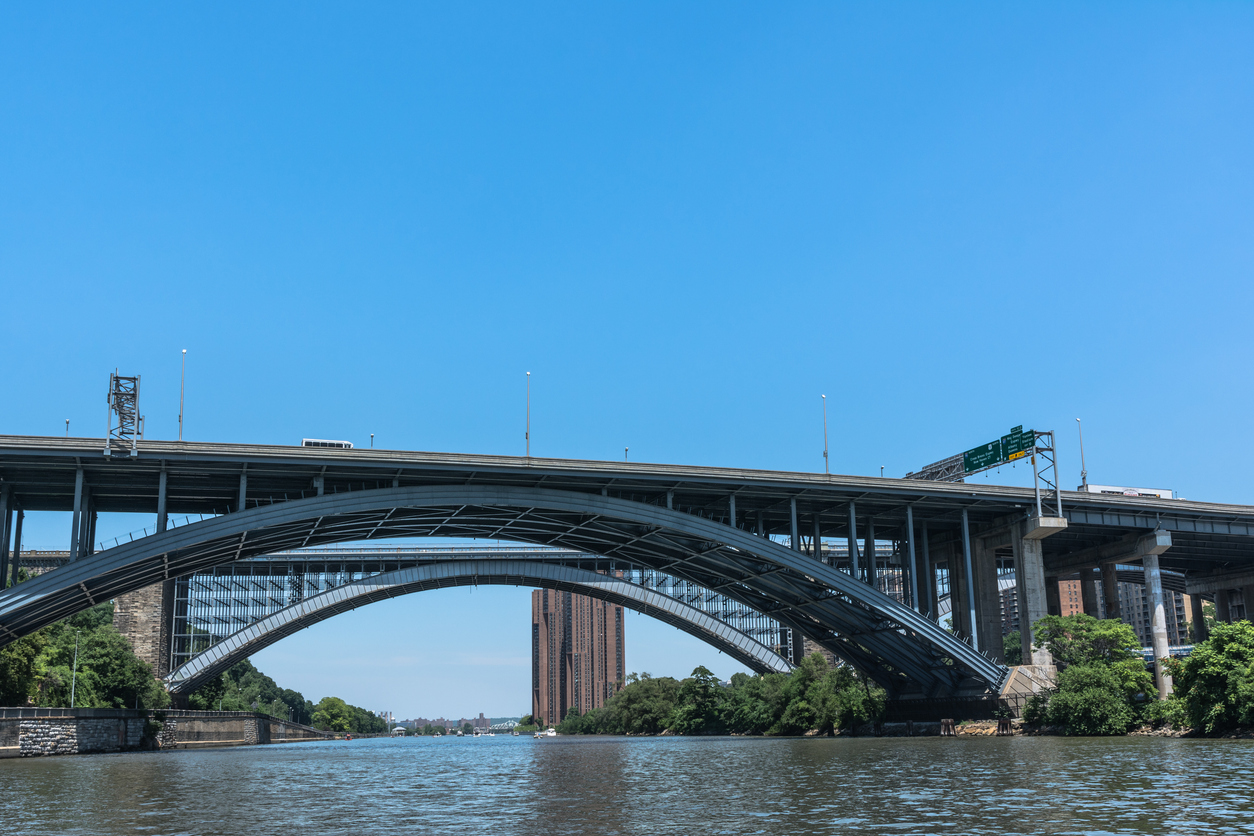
(32,732)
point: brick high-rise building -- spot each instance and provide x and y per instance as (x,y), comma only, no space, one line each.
(576,653)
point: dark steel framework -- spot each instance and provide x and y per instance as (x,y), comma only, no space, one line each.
(709,526)
(211,605)
(442,574)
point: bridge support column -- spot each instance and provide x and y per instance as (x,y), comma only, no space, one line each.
(929,576)
(818,540)
(1158,622)
(1033,593)
(15,564)
(6,523)
(1247,593)
(1200,633)
(969,577)
(868,549)
(1053,596)
(1110,589)
(243,491)
(988,600)
(1223,612)
(853,543)
(957,590)
(794,531)
(76,521)
(163,518)
(1088,593)
(914,563)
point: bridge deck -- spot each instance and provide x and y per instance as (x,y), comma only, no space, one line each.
(204,478)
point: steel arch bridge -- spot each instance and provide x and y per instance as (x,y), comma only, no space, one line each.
(281,623)
(205,608)
(903,650)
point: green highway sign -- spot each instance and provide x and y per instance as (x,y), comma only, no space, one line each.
(983,456)
(1016,445)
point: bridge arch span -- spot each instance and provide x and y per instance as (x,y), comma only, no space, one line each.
(445,574)
(895,645)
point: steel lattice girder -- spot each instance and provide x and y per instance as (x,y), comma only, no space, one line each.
(887,640)
(443,574)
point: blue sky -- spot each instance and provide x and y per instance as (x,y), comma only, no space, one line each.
(687,223)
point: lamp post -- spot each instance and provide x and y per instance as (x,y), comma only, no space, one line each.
(826,468)
(74,675)
(372,441)
(182,387)
(528,433)
(67,427)
(1084,473)
(625,454)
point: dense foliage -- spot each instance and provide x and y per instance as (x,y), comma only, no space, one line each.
(1103,686)
(814,697)
(41,668)
(1012,643)
(333,714)
(1215,683)
(244,688)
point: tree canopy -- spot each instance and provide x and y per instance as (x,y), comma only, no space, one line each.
(1215,683)
(814,696)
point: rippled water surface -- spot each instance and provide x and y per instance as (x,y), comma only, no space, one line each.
(517,785)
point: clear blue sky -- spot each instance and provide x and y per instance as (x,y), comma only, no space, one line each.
(687,222)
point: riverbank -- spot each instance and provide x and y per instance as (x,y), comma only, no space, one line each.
(36,732)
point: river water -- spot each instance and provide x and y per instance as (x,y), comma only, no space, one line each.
(592,785)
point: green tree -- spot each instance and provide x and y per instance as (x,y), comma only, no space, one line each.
(109,674)
(18,669)
(1103,685)
(1081,639)
(332,714)
(1013,644)
(1215,682)
(1090,701)
(698,708)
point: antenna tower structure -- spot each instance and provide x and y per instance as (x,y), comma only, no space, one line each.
(126,425)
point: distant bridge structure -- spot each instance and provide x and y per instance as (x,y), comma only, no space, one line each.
(716,528)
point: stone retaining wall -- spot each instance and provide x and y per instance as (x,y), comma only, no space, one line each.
(31,732)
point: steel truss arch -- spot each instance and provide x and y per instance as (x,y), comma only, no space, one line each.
(445,574)
(898,647)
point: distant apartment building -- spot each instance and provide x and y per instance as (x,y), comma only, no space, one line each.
(1070,597)
(577,653)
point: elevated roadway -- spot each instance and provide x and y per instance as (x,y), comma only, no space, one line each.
(715,527)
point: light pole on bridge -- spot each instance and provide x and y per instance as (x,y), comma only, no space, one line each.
(528,434)
(1084,473)
(826,468)
(182,387)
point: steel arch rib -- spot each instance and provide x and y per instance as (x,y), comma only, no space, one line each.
(264,632)
(902,639)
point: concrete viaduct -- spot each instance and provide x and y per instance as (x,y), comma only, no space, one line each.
(749,535)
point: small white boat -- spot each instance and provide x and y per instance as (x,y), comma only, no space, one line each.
(552,732)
